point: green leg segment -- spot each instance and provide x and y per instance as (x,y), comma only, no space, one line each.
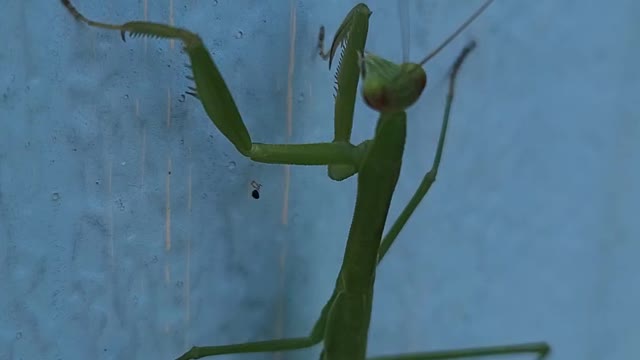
(253,347)
(351,36)
(542,349)
(316,336)
(430,176)
(213,93)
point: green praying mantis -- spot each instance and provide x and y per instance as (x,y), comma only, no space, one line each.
(390,89)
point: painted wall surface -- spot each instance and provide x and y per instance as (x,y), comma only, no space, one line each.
(127,229)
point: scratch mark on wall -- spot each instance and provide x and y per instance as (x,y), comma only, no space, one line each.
(167,222)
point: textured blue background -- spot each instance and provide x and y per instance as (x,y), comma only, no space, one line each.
(530,233)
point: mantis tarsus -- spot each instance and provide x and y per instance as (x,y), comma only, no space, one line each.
(388,88)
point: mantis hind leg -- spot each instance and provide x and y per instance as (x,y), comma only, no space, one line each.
(541,349)
(198,352)
(430,177)
(316,336)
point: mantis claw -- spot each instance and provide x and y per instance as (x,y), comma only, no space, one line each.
(193,92)
(324,55)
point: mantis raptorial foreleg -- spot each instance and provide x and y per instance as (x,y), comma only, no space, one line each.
(390,89)
(352,35)
(219,105)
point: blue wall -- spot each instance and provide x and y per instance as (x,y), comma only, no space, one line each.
(127,230)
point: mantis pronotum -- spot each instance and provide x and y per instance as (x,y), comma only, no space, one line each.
(343,325)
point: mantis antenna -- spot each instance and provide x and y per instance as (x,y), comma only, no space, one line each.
(399,86)
(403,13)
(457,32)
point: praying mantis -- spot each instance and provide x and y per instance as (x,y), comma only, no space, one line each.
(388,88)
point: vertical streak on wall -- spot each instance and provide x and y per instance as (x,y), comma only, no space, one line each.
(168,207)
(187,287)
(167,274)
(145,11)
(168,107)
(171,22)
(287,171)
(292,61)
(169,172)
(168,201)
(143,151)
(110,215)
(287,168)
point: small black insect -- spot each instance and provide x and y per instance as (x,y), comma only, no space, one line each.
(255,193)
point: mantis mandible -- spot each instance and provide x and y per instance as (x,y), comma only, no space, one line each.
(343,325)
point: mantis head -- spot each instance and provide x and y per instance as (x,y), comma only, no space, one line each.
(389,87)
